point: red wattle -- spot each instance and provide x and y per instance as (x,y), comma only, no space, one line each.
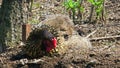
(50,44)
(54,41)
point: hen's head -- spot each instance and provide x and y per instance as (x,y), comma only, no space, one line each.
(49,41)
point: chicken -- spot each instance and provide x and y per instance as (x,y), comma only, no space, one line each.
(40,42)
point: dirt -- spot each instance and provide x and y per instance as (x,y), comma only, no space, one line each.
(105,52)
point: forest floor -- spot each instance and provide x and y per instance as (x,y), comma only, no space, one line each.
(105,52)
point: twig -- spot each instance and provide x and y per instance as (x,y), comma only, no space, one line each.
(91,33)
(101,38)
(25,61)
(91,13)
(37,60)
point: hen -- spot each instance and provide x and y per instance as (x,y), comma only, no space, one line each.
(40,42)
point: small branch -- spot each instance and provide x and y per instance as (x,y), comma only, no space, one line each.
(36,61)
(91,33)
(79,12)
(91,13)
(101,38)
(25,61)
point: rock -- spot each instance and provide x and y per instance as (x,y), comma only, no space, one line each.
(24,61)
(92,63)
(62,23)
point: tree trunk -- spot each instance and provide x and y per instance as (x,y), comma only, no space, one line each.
(13,14)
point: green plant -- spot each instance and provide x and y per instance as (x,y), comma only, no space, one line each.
(73,6)
(70,6)
(98,4)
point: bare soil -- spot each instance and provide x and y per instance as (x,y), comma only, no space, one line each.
(105,52)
